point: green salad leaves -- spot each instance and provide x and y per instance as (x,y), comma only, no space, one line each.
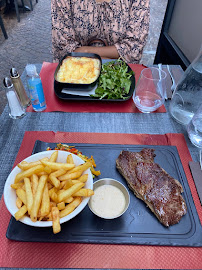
(114,81)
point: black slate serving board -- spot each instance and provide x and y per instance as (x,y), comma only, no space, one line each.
(137,225)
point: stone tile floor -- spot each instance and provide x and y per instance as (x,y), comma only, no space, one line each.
(29,41)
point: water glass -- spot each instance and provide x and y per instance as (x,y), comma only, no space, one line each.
(150,90)
(194,128)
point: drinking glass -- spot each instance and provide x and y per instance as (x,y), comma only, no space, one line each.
(194,130)
(150,90)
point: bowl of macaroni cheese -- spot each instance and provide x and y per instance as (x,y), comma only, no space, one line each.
(77,71)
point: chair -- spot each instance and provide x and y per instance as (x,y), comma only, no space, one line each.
(3,28)
(179,40)
(31,6)
(23,6)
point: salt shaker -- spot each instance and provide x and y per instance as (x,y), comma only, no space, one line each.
(19,88)
(16,109)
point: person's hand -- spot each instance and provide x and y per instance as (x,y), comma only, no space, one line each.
(83,49)
(106,52)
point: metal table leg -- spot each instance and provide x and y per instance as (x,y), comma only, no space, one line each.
(3,28)
(25,8)
(17,10)
(31,6)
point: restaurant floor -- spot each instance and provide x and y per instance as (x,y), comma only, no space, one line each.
(29,41)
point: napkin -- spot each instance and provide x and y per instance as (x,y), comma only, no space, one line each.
(79,93)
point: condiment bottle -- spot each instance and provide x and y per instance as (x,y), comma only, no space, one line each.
(15,107)
(19,88)
(187,96)
(35,88)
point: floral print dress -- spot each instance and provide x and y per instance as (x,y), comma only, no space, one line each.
(123,23)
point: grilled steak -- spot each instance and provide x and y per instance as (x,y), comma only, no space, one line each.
(153,185)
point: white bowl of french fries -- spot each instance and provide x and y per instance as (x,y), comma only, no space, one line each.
(48,189)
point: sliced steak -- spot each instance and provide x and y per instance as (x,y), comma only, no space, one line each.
(153,185)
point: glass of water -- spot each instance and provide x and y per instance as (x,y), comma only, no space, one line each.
(194,130)
(150,90)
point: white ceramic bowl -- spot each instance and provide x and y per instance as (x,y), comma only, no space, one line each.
(10,194)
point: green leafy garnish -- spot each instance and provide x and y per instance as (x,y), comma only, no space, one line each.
(114,81)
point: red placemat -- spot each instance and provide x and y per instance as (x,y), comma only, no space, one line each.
(55,104)
(65,255)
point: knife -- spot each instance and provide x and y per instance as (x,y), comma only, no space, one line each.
(197,177)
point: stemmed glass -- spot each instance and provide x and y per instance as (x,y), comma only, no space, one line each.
(194,129)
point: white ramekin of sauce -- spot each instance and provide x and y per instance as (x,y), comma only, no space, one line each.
(110,200)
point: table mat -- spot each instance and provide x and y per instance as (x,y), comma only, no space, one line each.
(52,255)
(55,104)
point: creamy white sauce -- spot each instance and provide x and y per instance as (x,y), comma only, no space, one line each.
(108,201)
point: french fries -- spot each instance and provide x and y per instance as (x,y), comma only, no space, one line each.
(16,186)
(21,212)
(58,166)
(70,159)
(45,202)
(68,192)
(70,207)
(84,192)
(53,157)
(28,173)
(56,219)
(72,149)
(38,197)
(27,165)
(34,183)
(21,194)
(48,190)
(18,203)
(53,177)
(29,194)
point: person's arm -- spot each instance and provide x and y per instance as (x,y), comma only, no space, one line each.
(104,52)
(63,35)
(131,46)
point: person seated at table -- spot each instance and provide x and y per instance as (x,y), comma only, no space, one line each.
(110,28)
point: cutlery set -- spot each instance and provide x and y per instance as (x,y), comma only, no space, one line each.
(172,78)
(170,91)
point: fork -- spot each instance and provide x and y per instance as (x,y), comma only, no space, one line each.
(173,80)
(160,69)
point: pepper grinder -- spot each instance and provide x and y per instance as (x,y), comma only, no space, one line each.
(16,109)
(20,90)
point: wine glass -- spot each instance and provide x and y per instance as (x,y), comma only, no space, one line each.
(194,129)
(150,90)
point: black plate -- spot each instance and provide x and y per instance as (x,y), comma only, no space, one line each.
(137,225)
(63,96)
(58,86)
